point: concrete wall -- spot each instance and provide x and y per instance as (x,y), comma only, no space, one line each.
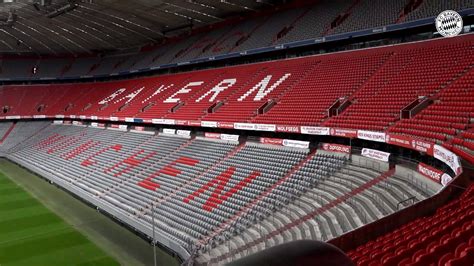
(370,163)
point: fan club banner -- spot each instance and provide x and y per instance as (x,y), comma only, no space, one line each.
(315,130)
(347,133)
(285,142)
(336,148)
(228,137)
(447,157)
(410,143)
(376,154)
(371,135)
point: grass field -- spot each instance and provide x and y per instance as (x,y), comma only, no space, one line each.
(43,225)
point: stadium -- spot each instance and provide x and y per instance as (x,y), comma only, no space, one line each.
(239,132)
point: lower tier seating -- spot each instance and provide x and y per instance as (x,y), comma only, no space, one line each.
(218,200)
(445,238)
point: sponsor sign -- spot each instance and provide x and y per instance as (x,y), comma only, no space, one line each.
(98,125)
(194,123)
(163,121)
(447,157)
(113,118)
(225,125)
(59,116)
(315,130)
(77,123)
(375,154)
(244,126)
(94,117)
(371,135)
(208,124)
(336,148)
(181,122)
(39,116)
(271,141)
(430,172)
(347,133)
(139,128)
(288,129)
(129,119)
(210,135)
(58,122)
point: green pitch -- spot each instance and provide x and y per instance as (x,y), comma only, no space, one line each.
(30,234)
(43,225)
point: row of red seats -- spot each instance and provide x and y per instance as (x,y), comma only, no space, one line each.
(445,238)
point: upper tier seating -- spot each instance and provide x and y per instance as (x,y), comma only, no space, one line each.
(431,8)
(378,83)
(312,21)
(366,14)
(445,238)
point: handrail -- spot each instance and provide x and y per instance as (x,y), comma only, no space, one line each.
(405,200)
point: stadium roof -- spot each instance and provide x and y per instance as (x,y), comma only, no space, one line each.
(78,27)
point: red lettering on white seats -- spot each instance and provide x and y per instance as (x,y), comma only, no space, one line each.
(167,170)
(48,141)
(159,90)
(218,184)
(130,162)
(223,85)
(183,90)
(89,160)
(78,150)
(112,96)
(262,87)
(63,144)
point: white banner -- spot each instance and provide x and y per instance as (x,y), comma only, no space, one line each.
(265,127)
(208,124)
(445,179)
(58,122)
(229,137)
(375,154)
(324,131)
(447,157)
(129,119)
(244,126)
(371,135)
(169,131)
(185,133)
(296,143)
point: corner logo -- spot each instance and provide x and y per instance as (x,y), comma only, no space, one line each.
(449,23)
